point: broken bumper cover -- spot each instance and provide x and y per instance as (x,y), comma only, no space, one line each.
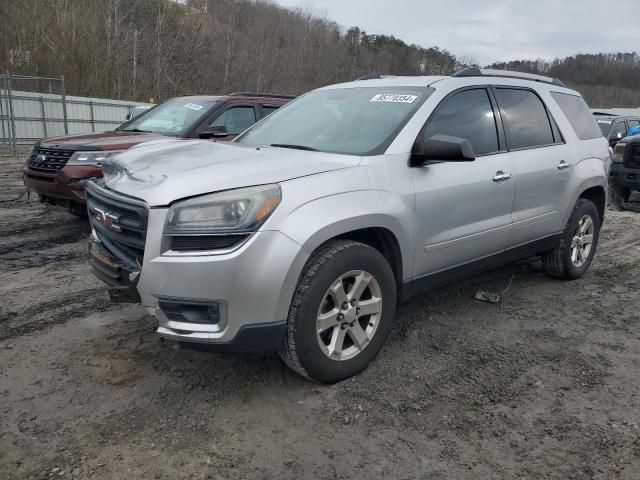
(122,280)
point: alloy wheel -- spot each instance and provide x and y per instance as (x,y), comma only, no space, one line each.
(349,315)
(582,241)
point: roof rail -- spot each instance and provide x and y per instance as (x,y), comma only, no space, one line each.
(485,72)
(255,94)
(374,76)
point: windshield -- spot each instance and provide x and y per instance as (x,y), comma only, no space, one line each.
(135,111)
(605,127)
(354,121)
(174,118)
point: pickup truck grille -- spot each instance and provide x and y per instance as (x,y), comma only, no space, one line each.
(120,223)
(634,160)
(48,159)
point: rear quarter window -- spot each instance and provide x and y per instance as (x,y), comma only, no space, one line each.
(578,114)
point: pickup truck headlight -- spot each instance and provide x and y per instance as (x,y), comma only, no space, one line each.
(91,158)
(209,220)
(618,153)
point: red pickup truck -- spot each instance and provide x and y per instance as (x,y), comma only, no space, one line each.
(57,166)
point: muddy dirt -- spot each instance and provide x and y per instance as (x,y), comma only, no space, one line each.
(544,386)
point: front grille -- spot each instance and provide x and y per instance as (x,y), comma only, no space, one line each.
(48,159)
(120,223)
(634,160)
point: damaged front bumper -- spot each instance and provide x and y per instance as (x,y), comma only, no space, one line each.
(122,280)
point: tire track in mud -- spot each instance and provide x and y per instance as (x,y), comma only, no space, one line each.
(38,241)
(37,317)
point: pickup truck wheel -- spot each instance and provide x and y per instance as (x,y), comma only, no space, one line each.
(572,256)
(341,313)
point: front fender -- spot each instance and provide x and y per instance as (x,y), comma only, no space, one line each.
(322,219)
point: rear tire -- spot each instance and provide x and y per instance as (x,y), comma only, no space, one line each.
(573,255)
(341,313)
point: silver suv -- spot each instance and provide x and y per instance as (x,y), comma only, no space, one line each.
(306,233)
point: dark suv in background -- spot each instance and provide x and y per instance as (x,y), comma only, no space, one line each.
(615,127)
(57,166)
(625,169)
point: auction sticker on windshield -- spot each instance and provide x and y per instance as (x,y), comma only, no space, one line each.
(193,106)
(394,98)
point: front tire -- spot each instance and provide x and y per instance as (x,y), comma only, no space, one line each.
(341,313)
(574,253)
(621,195)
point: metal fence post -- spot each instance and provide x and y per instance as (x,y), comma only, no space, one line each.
(4,134)
(12,122)
(93,127)
(44,117)
(64,107)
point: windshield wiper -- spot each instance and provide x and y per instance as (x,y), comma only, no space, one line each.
(135,130)
(295,147)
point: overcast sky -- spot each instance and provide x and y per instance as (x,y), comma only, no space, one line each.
(494,30)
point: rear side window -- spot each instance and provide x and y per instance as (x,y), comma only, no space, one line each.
(236,120)
(525,118)
(633,123)
(467,115)
(268,109)
(578,114)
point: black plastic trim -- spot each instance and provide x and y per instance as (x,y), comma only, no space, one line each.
(259,338)
(438,279)
(191,311)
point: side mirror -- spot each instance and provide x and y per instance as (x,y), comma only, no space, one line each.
(214,132)
(442,148)
(128,116)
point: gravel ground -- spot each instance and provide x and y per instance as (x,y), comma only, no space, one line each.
(544,386)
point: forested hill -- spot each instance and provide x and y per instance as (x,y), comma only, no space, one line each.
(605,79)
(136,49)
(141,49)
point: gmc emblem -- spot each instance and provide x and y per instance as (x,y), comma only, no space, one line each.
(108,219)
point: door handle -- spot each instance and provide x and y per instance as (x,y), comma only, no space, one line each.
(563,165)
(500,176)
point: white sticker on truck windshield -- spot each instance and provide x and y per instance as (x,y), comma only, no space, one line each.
(193,106)
(394,98)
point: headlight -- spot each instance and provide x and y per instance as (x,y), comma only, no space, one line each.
(91,158)
(618,153)
(242,210)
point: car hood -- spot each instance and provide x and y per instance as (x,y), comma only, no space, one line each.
(116,140)
(164,171)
